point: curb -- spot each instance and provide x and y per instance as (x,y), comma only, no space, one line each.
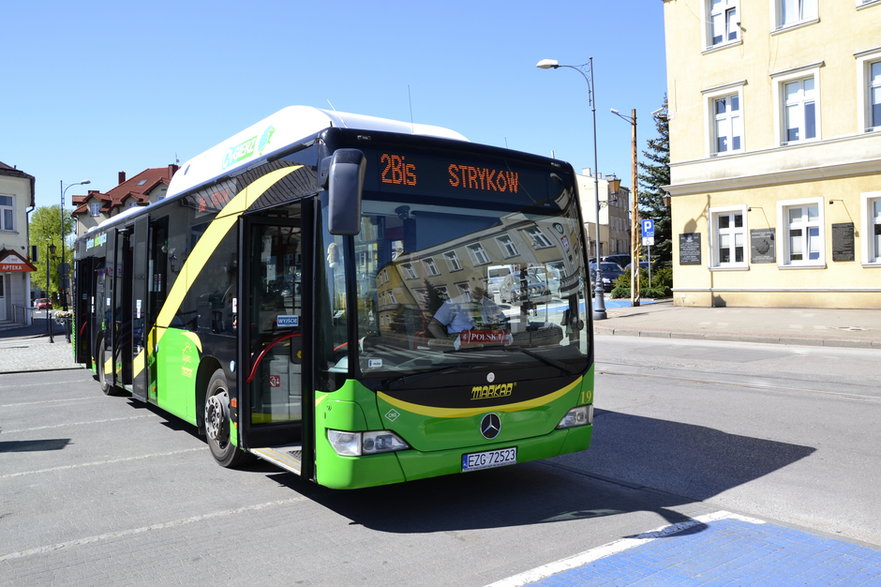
(684,335)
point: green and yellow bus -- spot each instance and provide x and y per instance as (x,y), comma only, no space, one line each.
(316,291)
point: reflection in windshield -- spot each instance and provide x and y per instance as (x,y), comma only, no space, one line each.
(442,286)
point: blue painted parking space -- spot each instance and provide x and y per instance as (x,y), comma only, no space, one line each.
(730,551)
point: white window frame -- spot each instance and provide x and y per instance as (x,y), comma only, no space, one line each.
(410,272)
(710,97)
(452,259)
(871,224)
(864,3)
(807,8)
(715,237)
(10,208)
(478,254)
(780,120)
(538,237)
(866,88)
(430,267)
(725,13)
(507,246)
(784,226)
(94,209)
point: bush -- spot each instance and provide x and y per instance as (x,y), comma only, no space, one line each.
(660,287)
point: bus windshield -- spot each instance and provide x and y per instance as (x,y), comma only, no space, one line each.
(442,288)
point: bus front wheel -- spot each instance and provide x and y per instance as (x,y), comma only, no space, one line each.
(217,427)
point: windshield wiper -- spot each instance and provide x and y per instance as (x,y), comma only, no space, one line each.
(516,349)
(434,371)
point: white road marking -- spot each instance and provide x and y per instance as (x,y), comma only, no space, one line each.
(595,554)
(135,531)
(66,424)
(100,463)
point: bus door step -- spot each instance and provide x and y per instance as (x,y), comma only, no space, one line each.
(286,457)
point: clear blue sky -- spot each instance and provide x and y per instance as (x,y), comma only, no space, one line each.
(96,87)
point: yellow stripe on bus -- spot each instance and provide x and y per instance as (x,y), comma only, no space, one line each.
(198,258)
(465,412)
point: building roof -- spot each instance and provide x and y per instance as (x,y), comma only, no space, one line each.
(15,172)
(137,188)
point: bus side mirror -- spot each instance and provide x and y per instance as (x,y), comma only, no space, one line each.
(345,184)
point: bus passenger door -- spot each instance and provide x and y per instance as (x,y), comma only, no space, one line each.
(139,309)
(271,321)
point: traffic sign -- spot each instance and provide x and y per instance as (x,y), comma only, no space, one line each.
(648,228)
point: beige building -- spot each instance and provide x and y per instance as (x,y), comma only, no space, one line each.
(16,201)
(614,213)
(775,150)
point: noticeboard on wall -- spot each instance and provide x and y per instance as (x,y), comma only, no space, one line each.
(762,245)
(842,242)
(690,248)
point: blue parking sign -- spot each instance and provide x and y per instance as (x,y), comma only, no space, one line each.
(648,228)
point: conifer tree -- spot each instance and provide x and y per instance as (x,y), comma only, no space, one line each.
(654,174)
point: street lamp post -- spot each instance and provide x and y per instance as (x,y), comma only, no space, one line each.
(635,230)
(599,304)
(62,276)
(49,253)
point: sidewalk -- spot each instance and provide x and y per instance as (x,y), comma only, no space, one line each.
(27,348)
(800,326)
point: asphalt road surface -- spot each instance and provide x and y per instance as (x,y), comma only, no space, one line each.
(101,490)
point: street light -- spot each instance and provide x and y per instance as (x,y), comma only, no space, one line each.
(49,297)
(635,230)
(599,304)
(63,276)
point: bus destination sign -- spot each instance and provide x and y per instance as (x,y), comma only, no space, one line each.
(396,170)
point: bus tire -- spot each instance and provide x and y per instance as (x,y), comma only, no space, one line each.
(217,428)
(106,387)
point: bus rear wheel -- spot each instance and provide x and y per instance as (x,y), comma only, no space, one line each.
(217,427)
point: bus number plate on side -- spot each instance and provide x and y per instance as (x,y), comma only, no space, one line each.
(488,459)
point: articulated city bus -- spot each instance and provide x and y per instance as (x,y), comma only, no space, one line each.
(314,292)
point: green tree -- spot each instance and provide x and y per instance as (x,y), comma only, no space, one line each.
(654,174)
(45,230)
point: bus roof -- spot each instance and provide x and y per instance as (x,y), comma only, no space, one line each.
(277,132)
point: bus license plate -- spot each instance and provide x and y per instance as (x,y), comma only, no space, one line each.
(488,459)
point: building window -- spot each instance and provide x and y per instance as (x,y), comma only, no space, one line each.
(453,261)
(728,244)
(409,271)
(94,209)
(795,12)
(727,124)
(869,76)
(430,267)
(507,246)
(723,24)
(539,240)
(478,254)
(7,213)
(802,227)
(871,207)
(799,110)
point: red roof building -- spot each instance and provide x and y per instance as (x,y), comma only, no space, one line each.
(144,188)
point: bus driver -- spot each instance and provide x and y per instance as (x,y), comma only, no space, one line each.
(470,310)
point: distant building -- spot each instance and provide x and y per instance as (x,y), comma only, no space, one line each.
(16,200)
(614,214)
(144,188)
(775,152)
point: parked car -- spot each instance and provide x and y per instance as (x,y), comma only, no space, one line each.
(611,272)
(42,304)
(621,259)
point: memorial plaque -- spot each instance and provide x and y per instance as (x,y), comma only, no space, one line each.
(842,242)
(762,245)
(690,248)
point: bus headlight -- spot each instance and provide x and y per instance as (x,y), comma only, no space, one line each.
(580,416)
(356,444)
